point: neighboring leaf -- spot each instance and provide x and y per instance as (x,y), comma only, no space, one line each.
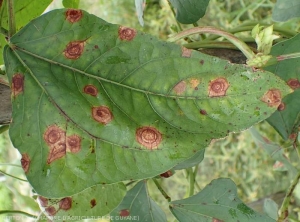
(271,208)
(218,201)
(285,10)
(188,12)
(193,161)
(287,119)
(106,103)
(71,3)
(95,201)
(25,10)
(274,150)
(137,205)
(139,5)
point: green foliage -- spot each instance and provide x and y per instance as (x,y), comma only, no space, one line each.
(285,10)
(71,3)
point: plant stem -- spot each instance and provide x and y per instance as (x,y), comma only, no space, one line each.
(3,31)
(211,30)
(12,176)
(192,181)
(168,198)
(10,164)
(283,212)
(11,18)
(174,13)
(17,212)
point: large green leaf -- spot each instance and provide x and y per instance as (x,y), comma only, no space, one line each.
(189,11)
(100,103)
(287,119)
(285,10)
(218,201)
(25,10)
(138,206)
(93,202)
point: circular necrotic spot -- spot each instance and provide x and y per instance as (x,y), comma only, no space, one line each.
(51,211)
(293,83)
(17,84)
(124,213)
(25,162)
(73,15)
(93,203)
(102,114)
(57,151)
(53,134)
(148,137)
(126,33)
(43,201)
(272,97)
(203,112)
(180,87)
(281,107)
(65,203)
(186,52)
(91,90)
(73,143)
(74,49)
(218,87)
(167,174)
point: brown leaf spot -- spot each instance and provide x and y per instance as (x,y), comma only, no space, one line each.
(216,220)
(102,114)
(55,138)
(93,203)
(25,162)
(51,211)
(186,52)
(203,112)
(194,82)
(65,203)
(73,143)
(43,201)
(166,174)
(148,136)
(281,107)
(180,87)
(91,90)
(73,15)
(74,49)
(272,98)
(293,136)
(126,33)
(293,83)
(201,61)
(17,84)
(124,213)
(218,87)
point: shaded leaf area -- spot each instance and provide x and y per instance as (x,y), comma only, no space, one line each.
(287,119)
(137,205)
(189,11)
(106,103)
(275,151)
(218,201)
(25,10)
(94,202)
(285,10)
(191,162)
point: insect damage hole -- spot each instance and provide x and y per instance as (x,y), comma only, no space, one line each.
(25,162)
(126,33)
(272,98)
(73,143)
(91,90)
(73,15)
(148,136)
(74,49)
(17,84)
(218,87)
(102,114)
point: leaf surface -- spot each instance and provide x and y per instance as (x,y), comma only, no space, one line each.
(218,201)
(100,103)
(189,11)
(285,10)
(137,205)
(287,119)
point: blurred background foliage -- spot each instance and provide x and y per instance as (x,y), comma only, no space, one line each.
(236,156)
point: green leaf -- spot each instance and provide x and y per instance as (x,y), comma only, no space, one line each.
(271,208)
(274,150)
(137,205)
(191,162)
(139,6)
(218,201)
(71,3)
(188,12)
(106,103)
(287,119)
(285,10)
(25,11)
(94,202)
